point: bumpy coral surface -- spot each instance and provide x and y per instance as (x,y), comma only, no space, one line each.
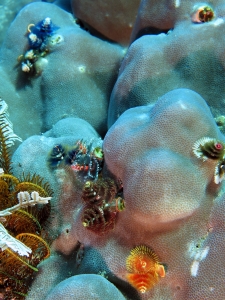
(167,191)
(8,11)
(151,148)
(161,16)
(74,86)
(186,55)
(85,287)
(138,211)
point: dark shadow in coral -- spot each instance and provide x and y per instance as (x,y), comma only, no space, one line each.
(151,31)
(23,79)
(64,4)
(93,263)
(93,31)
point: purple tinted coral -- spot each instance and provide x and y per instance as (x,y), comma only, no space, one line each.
(151,148)
(167,191)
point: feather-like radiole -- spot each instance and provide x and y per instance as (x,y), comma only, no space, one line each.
(209,148)
(144,269)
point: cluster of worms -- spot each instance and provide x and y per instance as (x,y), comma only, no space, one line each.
(38,36)
(143,268)
(210,148)
(102,202)
(26,226)
(85,160)
(102,197)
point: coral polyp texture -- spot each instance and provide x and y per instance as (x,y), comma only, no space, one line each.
(85,287)
(168,51)
(114,186)
(69,87)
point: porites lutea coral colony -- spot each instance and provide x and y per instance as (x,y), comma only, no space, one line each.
(138,207)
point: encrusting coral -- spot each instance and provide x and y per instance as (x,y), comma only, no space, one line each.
(67,183)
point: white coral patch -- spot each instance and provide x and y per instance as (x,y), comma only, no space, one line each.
(82,69)
(47,21)
(38,199)
(194,268)
(25,199)
(200,255)
(176,3)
